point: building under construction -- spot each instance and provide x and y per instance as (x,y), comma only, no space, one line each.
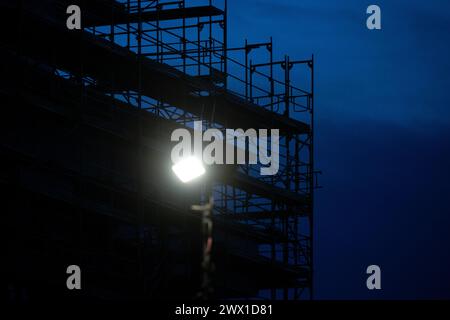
(85,147)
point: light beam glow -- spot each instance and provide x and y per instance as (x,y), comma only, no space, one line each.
(188,169)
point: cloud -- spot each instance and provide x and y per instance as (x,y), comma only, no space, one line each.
(382,137)
(399,74)
(385,199)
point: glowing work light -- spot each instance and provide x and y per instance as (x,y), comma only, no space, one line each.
(188,169)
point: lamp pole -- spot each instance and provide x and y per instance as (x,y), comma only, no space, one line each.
(187,170)
(207,225)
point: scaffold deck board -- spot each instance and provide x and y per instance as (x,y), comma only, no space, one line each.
(156,15)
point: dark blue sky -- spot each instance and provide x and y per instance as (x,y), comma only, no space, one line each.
(382,137)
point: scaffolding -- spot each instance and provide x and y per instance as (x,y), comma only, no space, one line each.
(171,59)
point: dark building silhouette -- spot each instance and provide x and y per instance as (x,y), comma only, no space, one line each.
(85,171)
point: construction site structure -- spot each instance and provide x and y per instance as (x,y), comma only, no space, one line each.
(85,152)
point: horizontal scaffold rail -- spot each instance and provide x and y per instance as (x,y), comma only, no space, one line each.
(156,15)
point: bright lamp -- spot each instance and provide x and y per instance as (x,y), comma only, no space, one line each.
(188,169)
